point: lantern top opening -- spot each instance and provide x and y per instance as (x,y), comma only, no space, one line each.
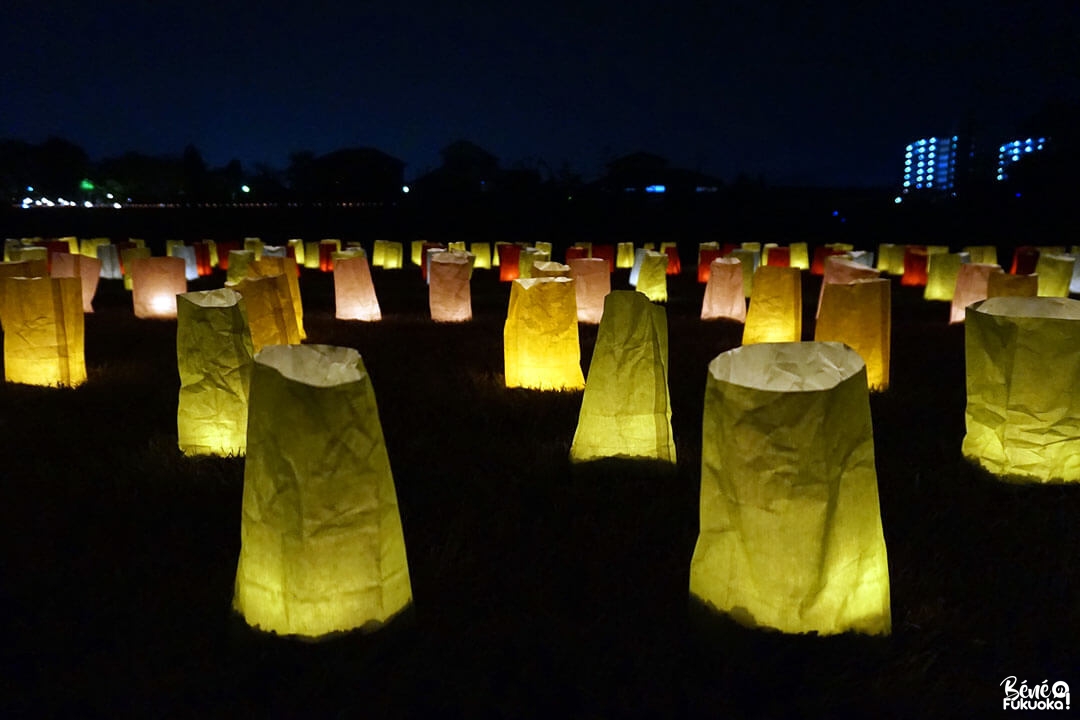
(223,297)
(788,367)
(529,282)
(314,365)
(1031,307)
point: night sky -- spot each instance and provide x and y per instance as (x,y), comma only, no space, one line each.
(800,94)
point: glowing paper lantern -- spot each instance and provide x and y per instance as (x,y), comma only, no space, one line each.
(239,262)
(752,246)
(354,292)
(705,259)
(378,253)
(540,339)
(941,273)
(635,269)
(799,255)
(417,252)
(529,257)
(271,317)
(586,246)
(839,269)
(859,314)
(299,250)
(891,258)
(544,247)
(273,251)
(1074,284)
(89,246)
(255,246)
(88,270)
(191,264)
(624,255)
(203,262)
(778,257)
(724,294)
(271,265)
(674,264)
(1008,285)
(449,294)
(626,407)
(327,248)
(214,357)
(321,543)
(550,269)
(605,251)
(128,256)
(44,332)
(575,253)
(28,252)
(1055,274)
(915,265)
(652,279)
(482,252)
(1023,401)
(24,269)
(1025,258)
(972,285)
(394,255)
(509,261)
(109,255)
(56,247)
(775,313)
(223,249)
(790,523)
(311,255)
(982,254)
(155,283)
(592,283)
(821,254)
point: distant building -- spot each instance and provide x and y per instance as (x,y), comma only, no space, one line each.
(1015,151)
(932,165)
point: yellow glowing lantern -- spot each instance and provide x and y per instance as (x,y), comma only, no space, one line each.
(239,262)
(354,292)
(724,293)
(528,257)
(859,314)
(840,269)
(751,246)
(1008,285)
(271,317)
(1055,274)
(972,285)
(775,313)
(748,261)
(799,255)
(544,247)
(540,339)
(299,251)
(255,246)
(28,252)
(155,283)
(942,269)
(214,356)
(89,246)
(1023,402)
(790,522)
(269,266)
(449,294)
(378,253)
(73,244)
(171,245)
(652,278)
(482,252)
(311,255)
(24,269)
(624,255)
(137,242)
(321,543)
(592,283)
(394,254)
(890,259)
(626,407)
(416,255)
(982,254)
(88,270)
(44,331)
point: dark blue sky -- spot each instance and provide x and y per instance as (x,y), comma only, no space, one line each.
(801,93)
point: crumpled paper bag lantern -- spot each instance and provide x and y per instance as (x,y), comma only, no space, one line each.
(890,258)
(269,266)
(775,313)
(972,285)
(271,317)
(1009,285)
(674,263)
(44,331)
(416,252)
(273,251)
(841,269)
(88,270)
(393,255)
(354,292)
(1055,273)
(509,261)
(482,252)
(214,356)
(652,279)
(449,292)
(624,255)
(155,283)
(859,314)
(322,548)
(550,269)
(530,256)
(821,254)
(942,270)
(790,529)
(915,266)
(311,255)
(799,255)
(1023,401)
(378,253)
(626,407)
(575,253)
(239,261)
(299,251)
(724,294)
(592,283)
(541,349)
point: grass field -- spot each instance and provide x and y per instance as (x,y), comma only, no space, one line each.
(541,589)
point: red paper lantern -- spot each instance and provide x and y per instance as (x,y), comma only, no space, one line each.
(817,267)
(223,250)
(915,262)
(202,259)
(509,257)
(1025,260)
(705,258)
(606,252)
(576,253)
(779,257)
(674,265)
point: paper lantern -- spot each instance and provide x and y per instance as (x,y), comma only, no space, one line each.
(915,265)
(128,256)
(299,251)
(863,257)
(586,246)
(109,256)
(155,283)
(271,317)
(1008,285)
(705,259)
(24,269)
(482,252)
(311,255)
(550,269)
(321,543)
(239,262)
(541,349)
(1023,401)
(674,263)
(840,269)
(1074,283)
(626,407)
(28,252)
(89,246)
(378,253)
(592,283)
(273,251)
(327,248)
(575,253)
(821,254)
(255,246)
(775,313)
(354,292)
(790,522)
(778,257)
(942,270)
(271,265)
(449,294)
(624,255)
(752,246)
(203,263)
(972,285)
(635,269)
(56,247)
(982,254)
(509,261)
(799,255)
(604,251)
(395,254)
(1025,258)
(1055,273)
(88,270)
(416,254)
(749,260)
(544,247)
(222,250)
(652,279)
(891,258)
(724,293)
(214,357)
(191,263)
(859,314)
(44,332)
(530,256)
(171,245)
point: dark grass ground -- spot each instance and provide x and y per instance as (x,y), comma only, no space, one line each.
(541,589)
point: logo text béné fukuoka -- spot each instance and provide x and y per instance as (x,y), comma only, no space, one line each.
(1037,696)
